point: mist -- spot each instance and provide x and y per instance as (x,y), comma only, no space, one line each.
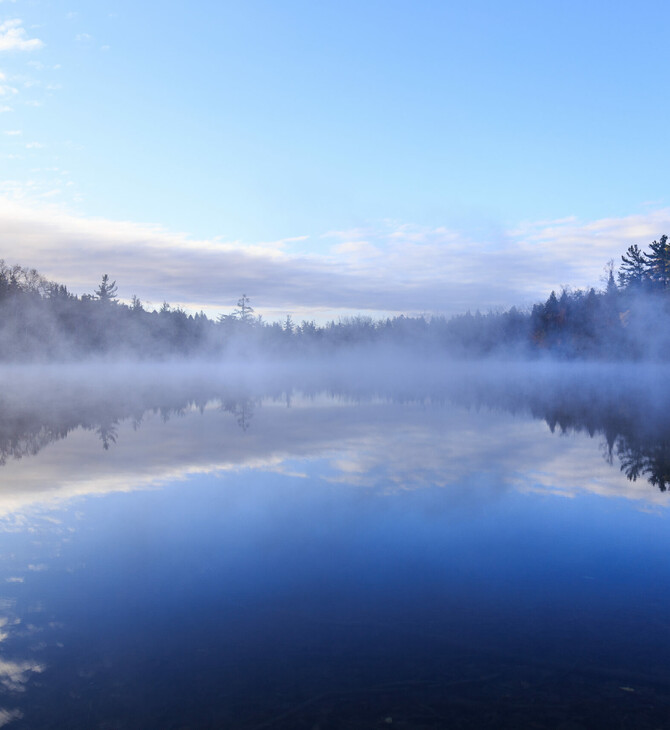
(624,406)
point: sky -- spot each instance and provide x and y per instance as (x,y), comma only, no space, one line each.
(330,158)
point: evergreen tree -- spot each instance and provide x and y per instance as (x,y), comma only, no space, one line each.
(611,289)
(244,311)
(551,313)
(106,292)
(633,270)
(658,261)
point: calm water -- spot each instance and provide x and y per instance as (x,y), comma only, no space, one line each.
(207,557)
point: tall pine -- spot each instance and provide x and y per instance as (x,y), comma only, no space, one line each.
(658,261)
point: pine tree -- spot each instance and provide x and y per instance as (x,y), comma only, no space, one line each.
(611,289)
(633,270)
(244,311)
(106,292)
(658,261)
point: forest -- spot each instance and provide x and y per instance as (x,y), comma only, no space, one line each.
(628,318)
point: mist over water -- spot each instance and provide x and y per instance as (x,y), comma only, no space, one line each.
(351,541)
(271,409)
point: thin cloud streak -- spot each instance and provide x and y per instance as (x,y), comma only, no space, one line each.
(391,267)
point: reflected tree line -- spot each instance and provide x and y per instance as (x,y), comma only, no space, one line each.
(26,430)
(636,436)
(628,318)
(643,451)
(634,423)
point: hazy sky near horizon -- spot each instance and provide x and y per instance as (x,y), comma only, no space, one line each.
(333,157)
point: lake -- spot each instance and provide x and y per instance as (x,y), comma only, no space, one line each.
(474,546)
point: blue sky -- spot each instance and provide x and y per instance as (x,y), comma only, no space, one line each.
(332,157)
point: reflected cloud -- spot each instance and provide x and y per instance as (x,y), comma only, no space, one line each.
(14,675)
(7,716)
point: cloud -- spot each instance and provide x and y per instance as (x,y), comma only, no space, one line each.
(391,267)
(13,37)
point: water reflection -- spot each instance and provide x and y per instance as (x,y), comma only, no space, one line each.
(642,458)
(625,413)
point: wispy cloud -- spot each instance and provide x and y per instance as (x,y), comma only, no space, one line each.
(13,37)
(391,267)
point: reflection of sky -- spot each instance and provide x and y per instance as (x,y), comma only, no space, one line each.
(15,673)
(259,582)
(375,445)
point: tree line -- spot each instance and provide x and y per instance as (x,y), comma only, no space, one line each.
(628,318)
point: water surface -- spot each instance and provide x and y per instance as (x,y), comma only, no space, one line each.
(206,555)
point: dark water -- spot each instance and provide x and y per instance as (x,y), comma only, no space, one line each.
(254,560)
